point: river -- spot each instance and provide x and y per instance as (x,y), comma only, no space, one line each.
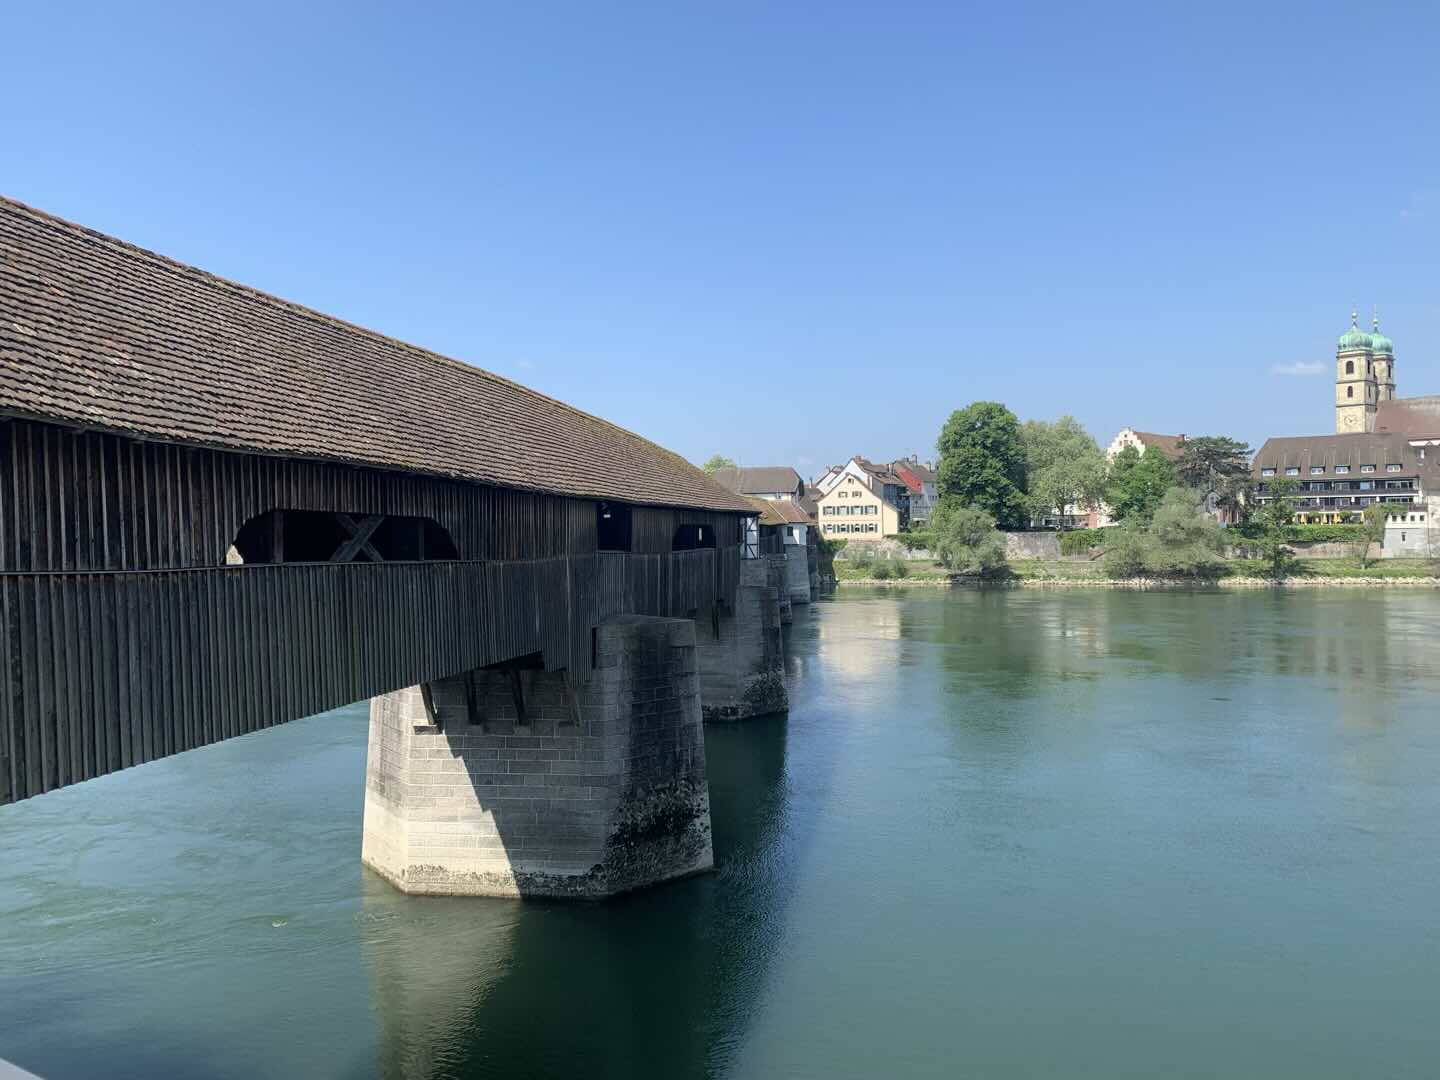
(1001,834)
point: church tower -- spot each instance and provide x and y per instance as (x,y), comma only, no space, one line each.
(1384,358)
(1357,390)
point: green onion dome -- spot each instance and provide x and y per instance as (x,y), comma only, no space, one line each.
(1379,342)
(1354,338)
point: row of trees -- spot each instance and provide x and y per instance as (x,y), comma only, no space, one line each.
(1018,473)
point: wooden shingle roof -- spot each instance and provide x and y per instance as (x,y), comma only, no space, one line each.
(98,333)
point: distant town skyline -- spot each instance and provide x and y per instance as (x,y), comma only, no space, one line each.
(818,235)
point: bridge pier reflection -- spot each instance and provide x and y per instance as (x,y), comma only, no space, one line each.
(661,983)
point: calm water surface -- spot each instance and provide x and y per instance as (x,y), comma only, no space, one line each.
(1085,834)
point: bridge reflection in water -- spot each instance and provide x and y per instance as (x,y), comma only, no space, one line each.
(660,983)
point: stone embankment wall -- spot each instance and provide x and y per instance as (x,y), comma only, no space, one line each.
(571,792)
(1032,545)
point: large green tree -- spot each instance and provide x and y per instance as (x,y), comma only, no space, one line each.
(982,463)
(1217,466)
(1372,528)
(1136,484)
(1275,518)
(1064,467)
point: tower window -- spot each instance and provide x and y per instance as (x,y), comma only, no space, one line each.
(1349,391)
(1349,367)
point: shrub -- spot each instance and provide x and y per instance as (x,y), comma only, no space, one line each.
(901,568)
(1183,539)
(919,538)
(1079,541)
(965,540)
(1127,553)
(882,570)
(1335,534)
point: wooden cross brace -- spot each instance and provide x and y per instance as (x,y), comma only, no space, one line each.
(360,533)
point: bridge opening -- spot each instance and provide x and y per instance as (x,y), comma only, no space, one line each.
(300,536)
(693,538)
(612,526)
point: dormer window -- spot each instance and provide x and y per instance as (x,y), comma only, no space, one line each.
(1367,468)
(1342,468)
(1392,468)
(1317,470)
(1267,472)
(1292,471)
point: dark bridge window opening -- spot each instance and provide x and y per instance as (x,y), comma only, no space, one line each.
(612,526)
(692,538)
(293,536)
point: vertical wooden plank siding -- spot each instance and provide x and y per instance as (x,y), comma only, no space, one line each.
(124,636)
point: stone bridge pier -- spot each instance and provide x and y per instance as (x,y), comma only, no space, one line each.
(513,781)
(741,651)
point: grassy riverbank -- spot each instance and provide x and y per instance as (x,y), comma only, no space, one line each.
(1235,572)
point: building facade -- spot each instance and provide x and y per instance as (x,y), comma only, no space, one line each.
(854,509)
(923,487)
(1339,475)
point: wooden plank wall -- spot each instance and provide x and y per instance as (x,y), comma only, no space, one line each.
(72,500)
(123,639)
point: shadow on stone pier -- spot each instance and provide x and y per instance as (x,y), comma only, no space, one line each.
(511,781)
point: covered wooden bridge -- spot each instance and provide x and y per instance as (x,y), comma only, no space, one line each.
(220,511)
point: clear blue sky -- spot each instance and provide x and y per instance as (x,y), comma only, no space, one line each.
(786,232)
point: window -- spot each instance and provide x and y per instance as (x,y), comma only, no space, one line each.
(1292,471)
(1267,472)
(288,536)
(1349,367)
(1342,468)
(692,538)
(1392,468)
(1317,470)
(1349,391)
(612,526)
(1367,468)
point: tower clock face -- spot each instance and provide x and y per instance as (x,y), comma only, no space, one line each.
(1352,421)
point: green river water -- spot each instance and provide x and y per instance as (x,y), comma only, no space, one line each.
(1001,834)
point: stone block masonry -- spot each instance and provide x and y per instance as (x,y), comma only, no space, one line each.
(510,782)
(741,651)
(797,573)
